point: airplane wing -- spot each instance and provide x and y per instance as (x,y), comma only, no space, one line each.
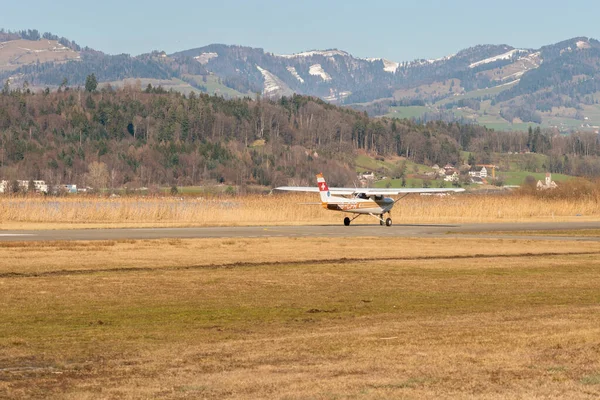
(315,189)
(394,191)
(369,191)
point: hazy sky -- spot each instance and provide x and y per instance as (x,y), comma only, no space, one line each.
(400,30)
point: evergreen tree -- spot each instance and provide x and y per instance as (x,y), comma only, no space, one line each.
(91,83)
(471,159)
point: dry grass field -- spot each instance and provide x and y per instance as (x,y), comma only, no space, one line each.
(16,53)
(300,318)
(281,209)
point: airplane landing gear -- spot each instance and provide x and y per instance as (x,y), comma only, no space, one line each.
(383,222)
(348,220)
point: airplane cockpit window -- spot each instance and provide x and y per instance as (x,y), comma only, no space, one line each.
(378,197)
(362,196)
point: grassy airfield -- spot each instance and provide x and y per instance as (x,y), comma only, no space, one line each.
(300,318)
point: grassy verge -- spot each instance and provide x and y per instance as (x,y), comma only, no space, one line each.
(522,325)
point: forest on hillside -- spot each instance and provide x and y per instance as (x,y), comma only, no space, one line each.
(147,136)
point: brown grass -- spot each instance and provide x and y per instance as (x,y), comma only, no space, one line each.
(31,258)
(519,326)
(95,212)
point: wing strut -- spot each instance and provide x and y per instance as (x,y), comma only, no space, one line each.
(397,200)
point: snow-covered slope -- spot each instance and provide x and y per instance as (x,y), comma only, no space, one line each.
(318,70)
(295,73)
(505,56)
(273,86)
(204,58)
(312,53)
(388,66)
(445,58)
(583,45)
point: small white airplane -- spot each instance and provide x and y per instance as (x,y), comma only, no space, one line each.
(361,201)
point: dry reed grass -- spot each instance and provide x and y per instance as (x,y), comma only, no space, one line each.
(287,209)
(522,326)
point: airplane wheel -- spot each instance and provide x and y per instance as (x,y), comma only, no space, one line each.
(381,220)
(388,222)
(346,221)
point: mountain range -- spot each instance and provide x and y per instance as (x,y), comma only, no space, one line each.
(556,86)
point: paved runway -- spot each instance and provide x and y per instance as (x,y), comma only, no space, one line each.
(406,230)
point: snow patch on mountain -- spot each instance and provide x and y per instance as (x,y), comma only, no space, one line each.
(293,71)
(505,56)
(336,96)
(507,83)
(204,58)
(324,53)
(422,61)
(583,45)
(514,76)
(445,58)
(270,87)
(318,70)
(388,66)
(522,65)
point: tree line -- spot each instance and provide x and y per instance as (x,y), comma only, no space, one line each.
(146,137)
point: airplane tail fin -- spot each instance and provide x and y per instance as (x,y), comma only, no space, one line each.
(323,189)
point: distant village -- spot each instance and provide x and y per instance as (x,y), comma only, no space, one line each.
(478,174)
(482,174)
(37,186)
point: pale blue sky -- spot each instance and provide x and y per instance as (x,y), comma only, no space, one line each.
(399,30)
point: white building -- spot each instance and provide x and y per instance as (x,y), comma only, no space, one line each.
(547,184)
(451,176)
(39,186)
(478,172)
(368,175)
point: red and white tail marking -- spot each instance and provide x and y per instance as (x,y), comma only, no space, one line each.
(322,184)
(323,188)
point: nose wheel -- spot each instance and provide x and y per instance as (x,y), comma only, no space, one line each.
(382,221)
(386,222)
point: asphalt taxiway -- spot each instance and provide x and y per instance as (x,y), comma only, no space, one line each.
(399,230)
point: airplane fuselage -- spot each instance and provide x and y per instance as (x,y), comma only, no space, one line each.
(374,205)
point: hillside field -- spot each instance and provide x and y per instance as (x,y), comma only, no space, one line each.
(489,115)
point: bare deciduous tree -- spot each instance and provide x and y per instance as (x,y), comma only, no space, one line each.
(97,175)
